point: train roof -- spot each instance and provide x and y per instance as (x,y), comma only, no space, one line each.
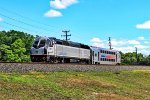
(75,44)
(70,43)
(100,48)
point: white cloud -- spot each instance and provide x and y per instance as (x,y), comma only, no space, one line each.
(141,38)
(1,19)
(132,49)
(124,42)
(59,4)
(118,42)
(99,45)
(97,40)
(133,42)
(141,46)
(125,49)
(145,52)
(62,4)
(53,13)
(145,25)
(146,42)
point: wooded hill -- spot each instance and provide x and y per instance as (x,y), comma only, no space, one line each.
(15,47)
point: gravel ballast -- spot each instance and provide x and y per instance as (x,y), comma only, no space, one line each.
(25,67)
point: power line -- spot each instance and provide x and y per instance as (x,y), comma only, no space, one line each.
(2,28)
(66,35)
(28,18)
(24,22)
(18,26)
(25,17)
(37,32)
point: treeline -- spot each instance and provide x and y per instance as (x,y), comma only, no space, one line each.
(133,59)
(15,47)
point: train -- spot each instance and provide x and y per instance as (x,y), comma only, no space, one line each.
(53,50)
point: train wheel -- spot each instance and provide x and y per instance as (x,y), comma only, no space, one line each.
(32,59)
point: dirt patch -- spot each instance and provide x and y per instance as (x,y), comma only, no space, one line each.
(40,76)
(106,96)
(87,83)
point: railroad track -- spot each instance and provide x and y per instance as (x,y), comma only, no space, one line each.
(64,64)
(56,63)
(45,67)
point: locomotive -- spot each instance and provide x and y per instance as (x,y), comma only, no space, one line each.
(53,50)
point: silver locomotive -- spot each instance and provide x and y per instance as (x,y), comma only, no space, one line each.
(57,51)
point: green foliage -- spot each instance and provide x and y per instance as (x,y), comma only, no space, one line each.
(130,59)
(15,46)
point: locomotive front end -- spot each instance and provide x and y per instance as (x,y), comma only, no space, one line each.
(38,51)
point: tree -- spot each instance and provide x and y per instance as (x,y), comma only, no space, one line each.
(3,51)
(15,46)
(130,59)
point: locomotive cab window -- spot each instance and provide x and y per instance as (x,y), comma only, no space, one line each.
(42,43)
(47,42)
(51,43)
(35,44)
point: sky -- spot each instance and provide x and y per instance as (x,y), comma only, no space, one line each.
(91,22)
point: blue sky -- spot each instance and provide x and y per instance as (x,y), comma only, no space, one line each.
(90,22)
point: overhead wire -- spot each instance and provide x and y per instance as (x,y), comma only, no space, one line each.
(1,28)
(25,17)
(23,22)
(27,23)
(19,27)
(35,27)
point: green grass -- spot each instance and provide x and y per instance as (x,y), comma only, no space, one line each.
(124,85)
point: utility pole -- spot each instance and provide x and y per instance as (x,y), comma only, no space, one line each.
(110,43)
(136,55)
(66,34)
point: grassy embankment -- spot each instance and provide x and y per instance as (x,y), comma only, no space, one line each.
(125,85)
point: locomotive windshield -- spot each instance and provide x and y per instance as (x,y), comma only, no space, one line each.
(36,43)
(42,43)
(39,43)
